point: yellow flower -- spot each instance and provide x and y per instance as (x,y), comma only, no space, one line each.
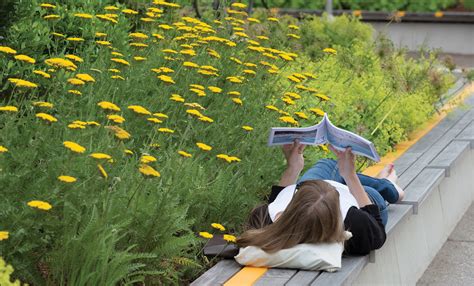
(100,156)
(83,15)
(198,92)
(85,77)
(149,171)
(218,226)
(58,35)
(237,101)
(75,39)
(3,149)
(111,8)
(51,17)
(129,11)
(154,120)
(9,108)
(227,158)
(194,112)
(116,118)
(161,115)
(7,50)
(120,61)
(119,132)
(76,126)
(302,115)
(102,171)
(139,109)
(294,79)
(107,18)
(166,79)
(247,128)
(330,51)
(138,45)
(108,106)
(145,159)
(252,72)
(322,96)
(294,27)
(117,77)
(114,70)
(138,35)
(273,19)
(288,119)
(127,151)
(165,130)
(169,51)
(254,20)
(177,98)
(99,34)
(42,73)
(74,91)
(67,179)
(43,104)
(74,147)
(184,154)
(190,65)
(4,235)
(106,43)
(203,146)
(61,63)
(22,83)
(317,111)
(25,58)
(139,59)
(40,205)
(47,5)
(158,36)
(75,81)
(206,234)
(230,238)
(206,119)
(46,117)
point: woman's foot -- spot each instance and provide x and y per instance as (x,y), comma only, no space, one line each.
(385,171)
(393,178)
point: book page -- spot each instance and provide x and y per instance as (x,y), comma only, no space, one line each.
(287,135)
(341,139)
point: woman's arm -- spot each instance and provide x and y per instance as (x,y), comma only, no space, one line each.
(346,165)
(294,161)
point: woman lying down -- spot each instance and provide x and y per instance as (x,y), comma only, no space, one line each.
(330,210)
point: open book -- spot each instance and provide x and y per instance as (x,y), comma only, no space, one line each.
(322,133)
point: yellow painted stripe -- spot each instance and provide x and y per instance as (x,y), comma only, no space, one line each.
(402,147)
(249,275)
(246,276)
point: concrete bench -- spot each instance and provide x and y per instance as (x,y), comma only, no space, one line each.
(437,174)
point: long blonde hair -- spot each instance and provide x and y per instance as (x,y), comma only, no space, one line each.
(313,216)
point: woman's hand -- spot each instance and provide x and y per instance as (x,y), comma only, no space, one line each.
(345,161)
(294,155)
(295,163)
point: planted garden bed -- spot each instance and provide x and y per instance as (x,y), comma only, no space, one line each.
(125,133)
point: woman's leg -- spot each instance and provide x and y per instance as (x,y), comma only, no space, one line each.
(324,169)
(379,201)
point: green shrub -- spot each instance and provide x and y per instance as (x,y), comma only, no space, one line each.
(117,225)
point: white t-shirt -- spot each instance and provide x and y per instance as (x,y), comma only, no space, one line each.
(346,199)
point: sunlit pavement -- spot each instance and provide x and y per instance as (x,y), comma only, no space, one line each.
(454,263)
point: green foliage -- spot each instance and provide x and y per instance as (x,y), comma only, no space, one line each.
(5,273)
(380,5)
(125,228)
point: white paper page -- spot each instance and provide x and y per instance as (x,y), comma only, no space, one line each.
(287,135)
(341,139)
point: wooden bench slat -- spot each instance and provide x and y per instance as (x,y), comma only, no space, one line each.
(449,155)
(434,149)
(219,274)
(275,277)
(421,186)
(468,133)
(303,277)
(350,269)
